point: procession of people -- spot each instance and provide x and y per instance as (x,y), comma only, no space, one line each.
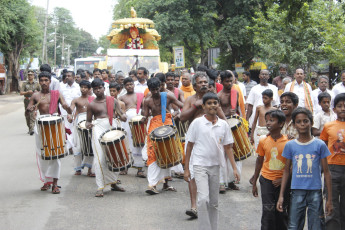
(201,128)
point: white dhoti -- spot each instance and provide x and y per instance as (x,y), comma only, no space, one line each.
(48,169)
(227,173)
(103,175)
(80,160)
(144,149)
(260,131)
(156,175)
(136,151)
(69,126)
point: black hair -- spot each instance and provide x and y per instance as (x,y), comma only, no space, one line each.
(105,70)
(161,77)
(246,73)
(208,96)
(134,72)
(170,74)
(340,97)
(86,83)
(97,70)
(45,68)
(97,82)
(323,95)
(144,69)
(80,71)
(82,74)
(305,111)
(268,93)
(235,74)
(64,75)
(211,82)
(45,74)
(276,113)
(72,72)
(292,96)
(127,79)
(115,85)
(153,83)
(224,75)
(152,75)
(201,68)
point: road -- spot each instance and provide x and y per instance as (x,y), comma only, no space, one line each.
(24,206)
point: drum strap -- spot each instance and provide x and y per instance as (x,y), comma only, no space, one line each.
(176,93)
(140,97)
(54,99)
(110,103)
(163,105)
(233,98)
(90,99)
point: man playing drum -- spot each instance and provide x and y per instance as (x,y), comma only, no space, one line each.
(156,104)
(133,109)
(80,104)
(192,109)
(229,102)
(46,102)
(102,110)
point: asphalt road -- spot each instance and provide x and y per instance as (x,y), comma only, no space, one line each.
(24,206)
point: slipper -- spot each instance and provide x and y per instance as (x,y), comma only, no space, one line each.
(116,188)
(99,193)
(45,187)
(222,189)
(140,174)
(232,186)
(77,173)
(55,189)
(124,172)
(91,174)
(170,188)
(179,175)
(152,191)
(192,213)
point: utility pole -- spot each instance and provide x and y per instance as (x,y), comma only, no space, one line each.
(44,53)
(55,48)
(68,54)
(63,51)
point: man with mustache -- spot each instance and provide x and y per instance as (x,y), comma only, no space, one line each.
(192,109)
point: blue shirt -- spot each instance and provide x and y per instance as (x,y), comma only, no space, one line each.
(306,168)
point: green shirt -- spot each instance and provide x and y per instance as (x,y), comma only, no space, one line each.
(27,86)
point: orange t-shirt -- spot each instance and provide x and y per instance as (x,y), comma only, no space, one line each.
(274,163)
(334,133)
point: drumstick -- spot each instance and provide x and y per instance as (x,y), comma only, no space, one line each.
(39,101)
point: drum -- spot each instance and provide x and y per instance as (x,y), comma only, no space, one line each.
(242,147)
(167,146)
(51,130)
(115,147)
(182,128)
(139,131)
(85,138)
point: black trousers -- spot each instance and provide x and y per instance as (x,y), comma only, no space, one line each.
(271,218)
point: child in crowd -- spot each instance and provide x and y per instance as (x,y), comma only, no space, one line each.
(208,138)
(333,134)
(271,164)
(114,89)
(324,116)
(267,97)
(288,103)
(304,156)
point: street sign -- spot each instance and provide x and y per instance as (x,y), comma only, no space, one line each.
(179,57)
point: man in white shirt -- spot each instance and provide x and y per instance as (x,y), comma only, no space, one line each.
(97,73)
(322,84)
(254,98)
(208,138)
(340,87)
(302,89)
(241,85)
(141,84)
(69,91)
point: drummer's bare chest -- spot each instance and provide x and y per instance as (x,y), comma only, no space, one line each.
(99,109)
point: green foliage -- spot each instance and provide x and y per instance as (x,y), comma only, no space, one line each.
(123,8)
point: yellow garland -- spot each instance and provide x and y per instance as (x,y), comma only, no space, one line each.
(245,124)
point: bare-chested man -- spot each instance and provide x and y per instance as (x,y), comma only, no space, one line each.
(170,80)
(192,109)
(46,102)
(80,105)
(229,102)
(132,103)
(102,110)
(153,105)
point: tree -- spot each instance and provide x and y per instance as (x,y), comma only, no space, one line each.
(18,31)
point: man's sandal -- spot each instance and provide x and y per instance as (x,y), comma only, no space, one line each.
(140,174)
(170,188)
(193,213)
(232,186)
(124,172)
(55,189)
(152,191)
(77,173)
(45,187)
(89,174)
(99,193)
(115,187)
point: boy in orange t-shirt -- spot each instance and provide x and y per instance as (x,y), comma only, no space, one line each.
(333,134)
(271,164)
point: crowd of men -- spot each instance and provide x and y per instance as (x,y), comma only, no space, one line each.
(107,100)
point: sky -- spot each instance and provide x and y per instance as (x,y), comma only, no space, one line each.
(93,16)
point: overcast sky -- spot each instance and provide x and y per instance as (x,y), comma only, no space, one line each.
(93,16)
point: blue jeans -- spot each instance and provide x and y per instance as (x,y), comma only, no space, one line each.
(300,200)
